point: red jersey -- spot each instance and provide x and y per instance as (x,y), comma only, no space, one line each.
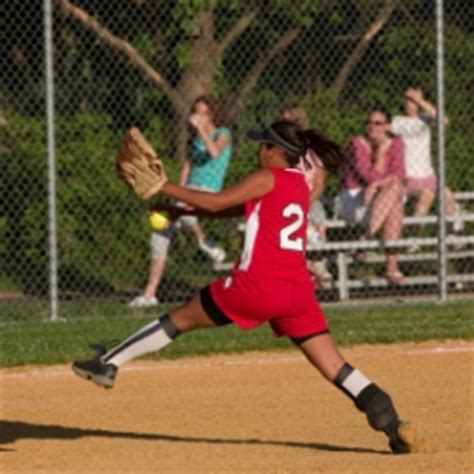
(270,282)
(275,231)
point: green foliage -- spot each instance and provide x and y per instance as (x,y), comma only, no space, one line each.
(97,217)
(103,232)
(23,188)
(102,228)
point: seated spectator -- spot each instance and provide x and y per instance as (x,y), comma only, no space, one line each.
(205,170)
(372,185)
(317,214)
(414,129)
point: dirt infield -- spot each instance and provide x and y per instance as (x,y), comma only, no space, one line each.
(259,412)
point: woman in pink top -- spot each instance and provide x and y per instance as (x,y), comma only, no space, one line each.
(372,185)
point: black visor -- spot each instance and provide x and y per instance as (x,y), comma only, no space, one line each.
(269,135)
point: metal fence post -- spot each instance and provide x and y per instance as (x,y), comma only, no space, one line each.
(442,257)
(49,78)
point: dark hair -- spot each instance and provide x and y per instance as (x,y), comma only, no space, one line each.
(415,85)
(381,109)
(297,114)
(213,106)
(418,86)
(329,152)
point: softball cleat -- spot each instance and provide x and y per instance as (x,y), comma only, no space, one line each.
(404,439)
(96,371)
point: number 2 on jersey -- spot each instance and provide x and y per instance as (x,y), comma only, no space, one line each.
(288,240)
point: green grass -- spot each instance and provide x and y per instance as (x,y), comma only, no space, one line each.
(37,342)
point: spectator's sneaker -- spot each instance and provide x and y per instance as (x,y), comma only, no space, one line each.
(404,439)
(142,302)
(216,253)
(96,371)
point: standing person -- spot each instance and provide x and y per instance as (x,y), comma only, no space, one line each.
(270,282)
(372,185)
(205,169)
(317,234)
(414,129)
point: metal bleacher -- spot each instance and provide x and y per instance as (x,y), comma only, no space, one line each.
(343,250)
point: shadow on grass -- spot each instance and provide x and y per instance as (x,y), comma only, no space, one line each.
(12,431)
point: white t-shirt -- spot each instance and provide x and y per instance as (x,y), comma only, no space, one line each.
(416,135)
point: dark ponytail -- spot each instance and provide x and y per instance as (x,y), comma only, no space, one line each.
(329,152)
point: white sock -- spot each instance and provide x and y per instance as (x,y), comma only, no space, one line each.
(150,338)
(355,383)
(351,381)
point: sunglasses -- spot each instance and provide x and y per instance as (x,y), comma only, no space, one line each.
(375,122)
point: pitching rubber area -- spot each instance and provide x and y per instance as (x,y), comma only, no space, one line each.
(257,412)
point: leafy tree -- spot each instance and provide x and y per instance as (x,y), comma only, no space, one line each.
(143,62)
(187,48)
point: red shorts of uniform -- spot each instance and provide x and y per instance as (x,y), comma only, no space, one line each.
(249,301)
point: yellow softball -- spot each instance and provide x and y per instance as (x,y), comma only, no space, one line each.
(158,220)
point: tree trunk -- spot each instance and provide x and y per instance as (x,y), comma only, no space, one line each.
(198,76)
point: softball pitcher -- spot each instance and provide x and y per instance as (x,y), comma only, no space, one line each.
(270,282)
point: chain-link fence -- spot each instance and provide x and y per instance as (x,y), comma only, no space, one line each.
(348,65)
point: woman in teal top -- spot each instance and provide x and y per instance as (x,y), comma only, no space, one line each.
(211,148)
(205,169)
